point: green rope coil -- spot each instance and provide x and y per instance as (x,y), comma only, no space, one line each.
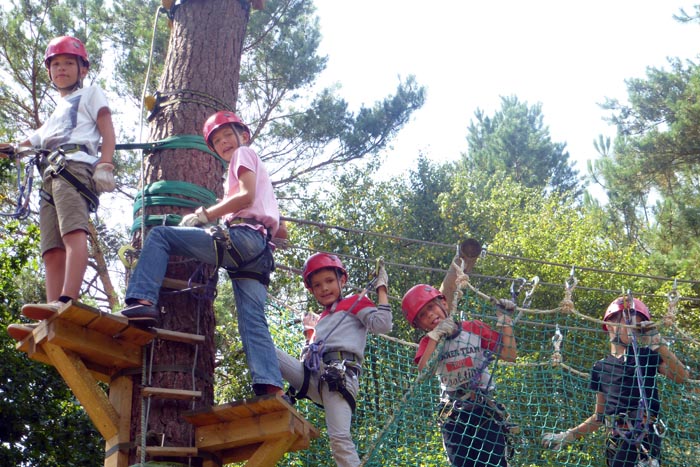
(156,193)
(175,142)
(156,219)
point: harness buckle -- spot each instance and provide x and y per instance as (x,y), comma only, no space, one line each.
(334,375)
(57,161)
(220,235)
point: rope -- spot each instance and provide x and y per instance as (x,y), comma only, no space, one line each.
(157,101)
(141,104)
(411,241)
(154,192)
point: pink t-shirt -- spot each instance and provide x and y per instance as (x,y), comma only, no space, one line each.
(265,208)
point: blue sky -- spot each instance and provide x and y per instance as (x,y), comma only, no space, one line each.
(566,55)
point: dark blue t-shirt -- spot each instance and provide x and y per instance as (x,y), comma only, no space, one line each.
(616,378)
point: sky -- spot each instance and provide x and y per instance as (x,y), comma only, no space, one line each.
(566,55)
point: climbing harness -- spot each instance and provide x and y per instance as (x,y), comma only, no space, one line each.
(223,244)
(56,166)
(24,187)
(642,425)
(53,163)
(337,363)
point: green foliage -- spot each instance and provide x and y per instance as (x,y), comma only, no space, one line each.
(41,422)
(516,141)
(651,174)
(141,40)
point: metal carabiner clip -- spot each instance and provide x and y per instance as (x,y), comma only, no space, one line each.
(659,428)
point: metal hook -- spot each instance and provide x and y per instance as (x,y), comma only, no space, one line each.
(571,282)
(515,291)
(532,284)
(483,251)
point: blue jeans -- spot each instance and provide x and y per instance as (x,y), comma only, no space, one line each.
(250,294)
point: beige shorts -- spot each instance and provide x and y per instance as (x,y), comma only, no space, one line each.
(70,209)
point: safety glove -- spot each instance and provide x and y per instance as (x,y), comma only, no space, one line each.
(444,328)
(504,311)
(556,441)
(309,321)
(649,335)
(195,219)
(382,279)
(104,177)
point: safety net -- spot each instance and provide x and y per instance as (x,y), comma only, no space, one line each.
(400,419)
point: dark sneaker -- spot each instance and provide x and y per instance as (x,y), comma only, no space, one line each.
(141,315)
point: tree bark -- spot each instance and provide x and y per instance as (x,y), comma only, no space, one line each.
(202,71)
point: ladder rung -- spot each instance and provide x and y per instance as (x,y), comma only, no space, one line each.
(176,336)
(171,451)
(178,284)
(165,393)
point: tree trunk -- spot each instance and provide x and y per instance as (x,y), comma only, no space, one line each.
(204,56)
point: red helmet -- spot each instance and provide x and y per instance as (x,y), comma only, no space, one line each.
(66,45)
(618,305)
(321,261)
(416,298)
(222,117)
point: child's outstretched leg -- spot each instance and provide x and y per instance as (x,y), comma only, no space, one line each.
(338,421)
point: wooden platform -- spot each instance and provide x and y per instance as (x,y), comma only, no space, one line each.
(258,430)
(88,346)
(104,342)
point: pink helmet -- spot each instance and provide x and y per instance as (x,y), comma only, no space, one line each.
(66,45)
(416,298)
(222,117)
(618,305)
(320,261)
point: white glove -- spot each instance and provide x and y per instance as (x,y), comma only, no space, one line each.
(556,441)
(505,305)
(649,335)
(309,321)
(195,219)
(104,177)
(504,312)
(382,279)
(446,327)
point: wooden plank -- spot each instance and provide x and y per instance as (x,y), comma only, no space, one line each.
(86,389)
(93,346)
(171,451)
(238,410)
(270,451)
(105,323)
(242,453)
(167,393)
(176,336)
(79,313)
(35,352)
(120,396)
(243,432)
(179,284)
(137,336)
